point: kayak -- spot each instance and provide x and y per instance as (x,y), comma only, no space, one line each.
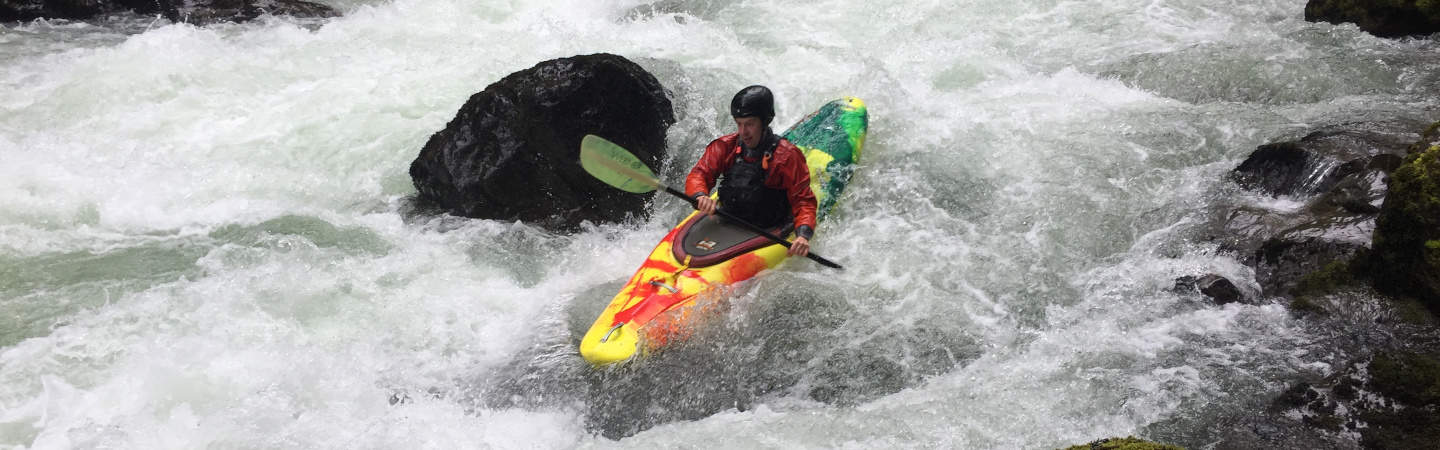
(703,254)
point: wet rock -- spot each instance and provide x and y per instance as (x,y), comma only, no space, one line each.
(199,12)
(1328,279)
(1317,162)
(1218,288)
(13,10)
(1406,256)
(1360,193)
(1286,168)
(202,12)
(1393,18)
(512,151)
(1283,260)
(1340,173)
(1185,283)
(1389,400)
(1412,380)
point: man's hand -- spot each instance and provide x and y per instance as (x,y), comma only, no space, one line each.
(800,247)
(705,205)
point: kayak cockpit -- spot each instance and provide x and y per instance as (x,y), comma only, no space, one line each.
(710,240)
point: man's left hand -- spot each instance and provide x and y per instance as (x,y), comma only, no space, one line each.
(800,247)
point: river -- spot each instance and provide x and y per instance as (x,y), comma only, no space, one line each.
(202,241)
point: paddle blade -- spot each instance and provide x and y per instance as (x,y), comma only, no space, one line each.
(615,166)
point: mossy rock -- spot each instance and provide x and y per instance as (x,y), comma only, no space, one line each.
(1305,304)
(1126,443)
(1431,136)
(1336,274)
(1405,260)
(1384,18)
(1413,380)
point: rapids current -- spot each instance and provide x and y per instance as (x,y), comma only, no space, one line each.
(201,241)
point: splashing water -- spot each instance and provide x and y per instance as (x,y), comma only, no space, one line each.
(200,241)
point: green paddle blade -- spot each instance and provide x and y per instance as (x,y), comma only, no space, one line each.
(615,166)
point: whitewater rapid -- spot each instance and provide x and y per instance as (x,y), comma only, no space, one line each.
(202,245)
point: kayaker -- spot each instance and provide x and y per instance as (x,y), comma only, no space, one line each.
(765,179)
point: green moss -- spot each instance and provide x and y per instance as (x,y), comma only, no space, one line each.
(1411,378)
(1410,428)
(1306,304)
(1414,380)
(1334,275)
(1127,443)
(1412,311)
(1405,259)
(1431,8)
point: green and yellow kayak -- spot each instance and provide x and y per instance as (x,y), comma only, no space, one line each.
(703,254)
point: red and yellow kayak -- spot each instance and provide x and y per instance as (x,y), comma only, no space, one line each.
(701,255)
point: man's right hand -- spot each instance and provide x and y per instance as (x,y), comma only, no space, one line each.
(705,205)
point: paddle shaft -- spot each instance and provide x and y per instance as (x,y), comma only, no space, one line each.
(617,167)
(754,229)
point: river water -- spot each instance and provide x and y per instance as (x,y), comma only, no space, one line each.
(202,244)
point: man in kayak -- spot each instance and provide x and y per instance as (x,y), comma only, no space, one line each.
(765,178)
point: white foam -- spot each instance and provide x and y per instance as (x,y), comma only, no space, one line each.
(1010,189)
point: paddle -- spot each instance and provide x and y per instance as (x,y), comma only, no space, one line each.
(617,167)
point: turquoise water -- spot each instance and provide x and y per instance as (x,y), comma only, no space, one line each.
(201,244)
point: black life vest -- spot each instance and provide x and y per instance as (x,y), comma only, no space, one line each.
(742,187)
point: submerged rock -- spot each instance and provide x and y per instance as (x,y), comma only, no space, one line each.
(1286,168)
(1406,256)
(199,12)
(1339,173)
(512,152)
(1388,399)
(1389,18)
(1412,420)
(1319,161)
(1283,260)
(1218,288)
(13,10)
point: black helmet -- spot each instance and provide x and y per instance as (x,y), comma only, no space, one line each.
(753,101)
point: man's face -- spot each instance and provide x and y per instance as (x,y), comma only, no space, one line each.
(751,130)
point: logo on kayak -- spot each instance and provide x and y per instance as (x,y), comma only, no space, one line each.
(705,244)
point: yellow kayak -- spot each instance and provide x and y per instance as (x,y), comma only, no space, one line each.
(703,254)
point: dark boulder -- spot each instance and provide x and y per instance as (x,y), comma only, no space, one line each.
(1362,192)
(1219,288)
(201,12)
(13,10)
(1406,256)
(198,12)
(1286,168)
(1282,261)
(1341,174)
(1383,18)
(1214,286)
(512,152)
(1317,162)
(1387,400)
